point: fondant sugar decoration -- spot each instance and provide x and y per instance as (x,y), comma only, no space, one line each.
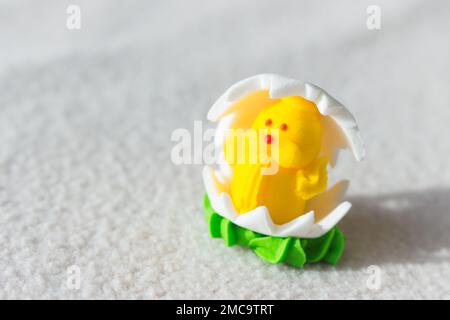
(277,139)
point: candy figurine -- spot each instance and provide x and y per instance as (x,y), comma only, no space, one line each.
(276,139)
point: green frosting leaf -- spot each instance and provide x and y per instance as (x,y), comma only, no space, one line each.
(290,250)
(245,236)
(336,248)
(316,249)
(271,249)
(227,232)
(296,256)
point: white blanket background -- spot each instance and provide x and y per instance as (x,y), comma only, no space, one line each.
(86,118)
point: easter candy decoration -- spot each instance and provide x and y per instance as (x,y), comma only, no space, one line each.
(276,139)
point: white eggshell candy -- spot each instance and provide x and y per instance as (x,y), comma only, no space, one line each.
(340,132)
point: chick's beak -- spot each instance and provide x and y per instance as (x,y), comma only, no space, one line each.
(269,138)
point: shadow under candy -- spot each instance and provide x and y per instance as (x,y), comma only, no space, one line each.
(405,227)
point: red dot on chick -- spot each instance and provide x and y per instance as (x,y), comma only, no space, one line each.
(269,139)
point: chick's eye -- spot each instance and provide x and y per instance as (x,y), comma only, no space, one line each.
(268,122)
(284,126)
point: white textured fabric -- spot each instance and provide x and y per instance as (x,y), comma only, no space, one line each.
(86,118)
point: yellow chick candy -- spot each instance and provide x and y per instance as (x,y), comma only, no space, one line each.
(292,125)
